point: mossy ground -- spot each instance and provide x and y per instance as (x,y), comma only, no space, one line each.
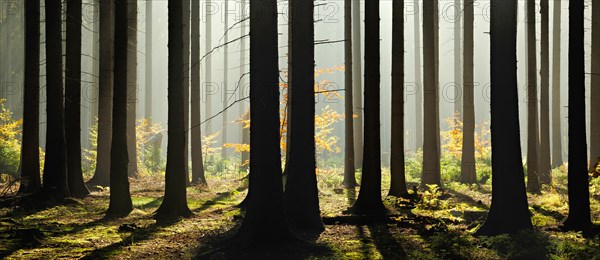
(438,225)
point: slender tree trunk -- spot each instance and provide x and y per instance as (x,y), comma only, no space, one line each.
(458,63)
(105,95)
(225,78)
(148,66)
(418,83)
(349,166)
(30,153)
(93,101)
(120,199)
(398,180)
(186,87)
(431,151)
(578,184)
(55,166)
(595,86)
(196,101)
(243,60)
(467,169)
(208,85)
(73,100)
(557,159)
(545,161)
(357,87)
(533,185)
(369,198)
(132,86)
(509,211)
(264,223)
(175,201)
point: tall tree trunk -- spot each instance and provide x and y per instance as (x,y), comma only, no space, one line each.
(132,86)
(467,169)
(186,87)
(509,211)
(431,134)
(243,60)
(398,179)
(369,198)
(120,199)
(458,63)
(557,159)
(105,95)
(93,101)
(357,86)
(544,166)
(533,185)
(208,85)
(418,82)
(349,166)
(175,201)
(30,153)
(148,66)
(225,78)
(265,221)
(595,86)
(55,166)
(73,100)
(578,184)
(196,100)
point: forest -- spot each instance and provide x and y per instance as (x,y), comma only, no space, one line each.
(173,129)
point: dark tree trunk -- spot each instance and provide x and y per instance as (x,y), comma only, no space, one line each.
(148,66)
(105,95)
(578,189)
(369,198)
(132,86)
(595,86)
(186,87)
(196,129)
(301,193)
(55,166)
(509,211)
(533,171)
(73,100)
(264,223)
(349,166)
(458,73)
(93,102)
(431,134)
(418,82)
(175,201)
(557,159)
(120,199)
(357,88)
(467,169)
(245,111)
(398,180)
(30,153)
(544,166)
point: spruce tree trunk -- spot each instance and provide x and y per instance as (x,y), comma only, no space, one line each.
(458,63)
(595,86)
(349,166)
(545,161)
(509,210)
(557,159)
(55,166)
(578,184)
(132,86)
(93,100)
(225,94)
(120,199)
(148,66)
(467,169)
(196,100)
(533,171)
(30,153)
(174,204)
(186,87)
(418,82)
(73,100)
(357,87)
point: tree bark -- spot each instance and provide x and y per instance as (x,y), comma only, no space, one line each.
(175,201)
(357,86)
(557,159)
(132,86)
(545,161)
(196,100)
(186,86)
(509,211)
(533,171)
(349,156)
(148,66)
(595,86)
(578,184)
(467,169)
(418,82)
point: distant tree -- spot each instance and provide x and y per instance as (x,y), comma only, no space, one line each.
(265,221)
(578,184)
(208,85)
(55,166)
(369,198)
(418,81)
(73,100)
(349,157)
(595,85)
(467,169)
(225,78)
(398,179)
(148,66)
(545,160)
(175,201)
(196,99)
(557,159)
(30,153)
(509,211)
(120,199)
(105,95)
(431,134)
(533,171)
(458,63)
(357,87)
(132,85)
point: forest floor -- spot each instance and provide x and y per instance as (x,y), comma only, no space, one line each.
(436,224)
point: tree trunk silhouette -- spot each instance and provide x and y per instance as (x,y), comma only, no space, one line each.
(431,134)
(132,86)
(467,168)
(93,101)
(357,85)
(579,194)
(243,87)
(545,167)
(196,99)
(557,159)
(458,63)
(73,100)
(418,82)
(148,66)
(349,166)
(186,87)
(398,179)
(30,153)
(264,223)
(55,166)
(120,199)
(105,95)
(533,171)
(595,86)
(369,198)
(509,210)
(175,201)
